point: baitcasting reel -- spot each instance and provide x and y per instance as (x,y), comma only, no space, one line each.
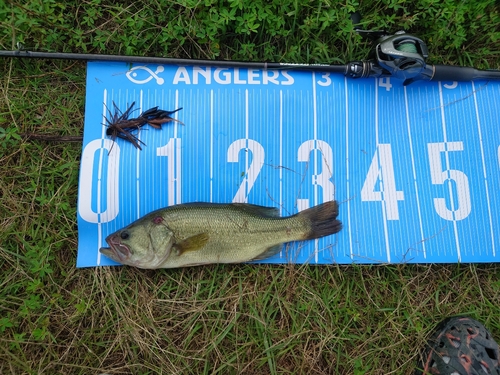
(401,55)
(404,56)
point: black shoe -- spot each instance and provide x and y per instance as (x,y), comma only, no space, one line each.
(460,346)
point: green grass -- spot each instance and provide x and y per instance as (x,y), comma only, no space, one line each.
(56,319)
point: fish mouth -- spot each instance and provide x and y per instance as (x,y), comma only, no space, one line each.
(117,250)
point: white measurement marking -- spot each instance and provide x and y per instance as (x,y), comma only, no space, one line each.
(439,177)
(382,171)
(485,176)
(302,204)
(101,155)
(447,163)
(247,188)
(281,161)
(99,174)
(414,173)
(252,171)
(178,150)
(452,86)
(281,154)
(137,162)
(312,145)
(385,82)
(384,215)
(348,185)
(172,151)
(211,144)
(315,136)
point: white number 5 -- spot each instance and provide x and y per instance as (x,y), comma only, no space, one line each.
(440,176)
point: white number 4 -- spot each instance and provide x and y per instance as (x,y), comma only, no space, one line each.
(382,171)
(385,82)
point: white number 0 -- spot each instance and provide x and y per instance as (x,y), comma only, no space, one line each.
(86,183)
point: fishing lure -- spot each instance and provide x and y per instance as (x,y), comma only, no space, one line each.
(157,117)
(119,125)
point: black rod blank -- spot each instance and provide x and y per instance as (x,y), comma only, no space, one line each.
(174,61)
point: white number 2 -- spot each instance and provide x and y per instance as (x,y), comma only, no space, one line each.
(440,176)
(382,170)
(252,171)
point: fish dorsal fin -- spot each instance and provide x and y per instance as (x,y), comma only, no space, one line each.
(256,210)
(193,243)
(269,252)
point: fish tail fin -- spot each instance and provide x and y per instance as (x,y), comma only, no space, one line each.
(323,220)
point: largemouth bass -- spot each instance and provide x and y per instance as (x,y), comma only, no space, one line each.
(203,233)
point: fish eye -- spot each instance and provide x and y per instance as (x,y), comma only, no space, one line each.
(124,235)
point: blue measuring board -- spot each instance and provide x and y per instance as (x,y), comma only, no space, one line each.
(416,169)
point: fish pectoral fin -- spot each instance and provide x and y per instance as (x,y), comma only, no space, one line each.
(192,243)
(269,252)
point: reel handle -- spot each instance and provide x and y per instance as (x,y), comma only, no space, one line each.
(460,73)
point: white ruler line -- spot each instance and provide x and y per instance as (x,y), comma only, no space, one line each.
(246,145)
(315,136)
(348,185)
(281,161)
(211,144)
(384,208)
(99,174)
(414,172)
(177,145)
(485,176)
(175,167)
(137,162)
(447,162)
(281,153)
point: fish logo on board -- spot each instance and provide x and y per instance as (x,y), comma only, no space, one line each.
(137,72)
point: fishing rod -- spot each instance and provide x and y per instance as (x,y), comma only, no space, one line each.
(400,55)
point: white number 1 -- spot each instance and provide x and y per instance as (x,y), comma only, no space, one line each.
(172,150)
(382,170)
